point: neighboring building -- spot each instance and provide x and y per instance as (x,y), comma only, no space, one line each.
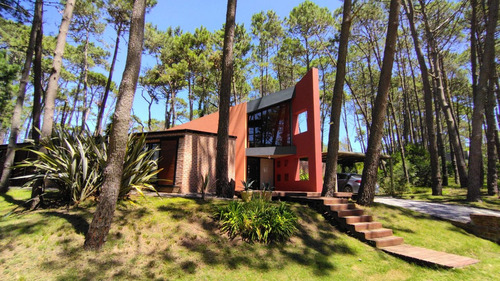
(275,139)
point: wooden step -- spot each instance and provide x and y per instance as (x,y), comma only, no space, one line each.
(331,200)
(338,207)
(355,219)
(386,241)
(374,233)
(342,194)
(359,226)
(350,212)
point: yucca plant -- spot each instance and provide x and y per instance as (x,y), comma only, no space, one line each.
(74,163)
(139,167)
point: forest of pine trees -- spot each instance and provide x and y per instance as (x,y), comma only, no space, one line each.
(442,103)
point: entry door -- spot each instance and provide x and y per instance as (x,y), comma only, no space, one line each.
(253,171)
(266,172)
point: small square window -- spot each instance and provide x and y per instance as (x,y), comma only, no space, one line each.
(278,164)
(278,177)
(286,177)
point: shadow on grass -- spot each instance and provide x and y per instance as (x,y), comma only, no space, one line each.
(314,242)
(8,198)
(78,222)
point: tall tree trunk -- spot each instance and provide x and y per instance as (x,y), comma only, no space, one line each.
(440,143)
(102,106)
(103,216)
(223,187)
(369,178)
(445,106)
(51,93)
(18,108)
(37,81)
(86,110)
(491,145)
(400,141)
(488,59)
(429,118)
(330,179)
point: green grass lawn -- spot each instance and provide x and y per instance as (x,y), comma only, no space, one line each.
(453,195)
(176,239)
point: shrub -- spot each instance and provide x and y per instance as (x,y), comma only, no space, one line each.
(257,221)
(74,162)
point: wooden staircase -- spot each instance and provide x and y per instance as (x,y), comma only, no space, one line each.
(340,212)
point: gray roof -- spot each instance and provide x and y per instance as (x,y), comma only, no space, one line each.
(272,99)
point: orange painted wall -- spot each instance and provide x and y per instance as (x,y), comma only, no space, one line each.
(308,144)
(237,128)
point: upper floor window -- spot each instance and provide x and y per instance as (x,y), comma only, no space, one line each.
(270,126)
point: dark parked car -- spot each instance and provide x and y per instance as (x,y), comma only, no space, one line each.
(350,182)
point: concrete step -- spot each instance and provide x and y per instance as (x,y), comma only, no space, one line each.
(355,219)
(374,233)
(350,212)
(338,207)
(386,241)
(359,226)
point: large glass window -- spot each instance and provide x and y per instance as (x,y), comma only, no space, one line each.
(270,126)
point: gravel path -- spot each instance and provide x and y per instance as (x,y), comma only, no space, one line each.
(445,211)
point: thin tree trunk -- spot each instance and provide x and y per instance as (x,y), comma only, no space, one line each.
(223,188)
(330,179)
(446,107)
(86,109)
(51,93)
(102,106)
(18,108)
(369,178)
(103,216)
(488,58)
(491,134)
(50,96)
(400,141)
(37,81)
(429,118)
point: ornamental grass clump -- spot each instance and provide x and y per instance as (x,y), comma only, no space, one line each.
(257,221)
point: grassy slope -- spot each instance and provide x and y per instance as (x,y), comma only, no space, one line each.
(454,195)
(176,239)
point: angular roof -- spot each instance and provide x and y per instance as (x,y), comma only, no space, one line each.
(270,100)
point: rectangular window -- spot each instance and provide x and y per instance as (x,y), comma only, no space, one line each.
(302,122)
(270,126)
(304,169)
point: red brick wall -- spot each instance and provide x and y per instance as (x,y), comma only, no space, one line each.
(486,226)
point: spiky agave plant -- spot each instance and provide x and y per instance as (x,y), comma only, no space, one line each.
(70,161)
(74,163)
(139,168)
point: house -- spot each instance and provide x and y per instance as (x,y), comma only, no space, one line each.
(274,140)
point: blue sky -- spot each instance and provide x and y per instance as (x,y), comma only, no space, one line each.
(189,14)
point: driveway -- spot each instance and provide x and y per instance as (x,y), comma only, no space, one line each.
(445,211)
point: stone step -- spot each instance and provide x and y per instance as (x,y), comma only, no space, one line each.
(374,233)
(386,241)
(350,212)
(359,226)
(338,207)
(355,219)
